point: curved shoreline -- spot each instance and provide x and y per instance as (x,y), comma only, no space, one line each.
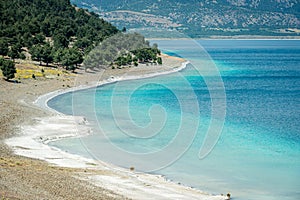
(33,143)
(42,101)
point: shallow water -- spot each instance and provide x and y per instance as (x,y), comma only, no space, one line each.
(160,124)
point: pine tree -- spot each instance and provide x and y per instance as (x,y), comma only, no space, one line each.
(8,68)
(3,47)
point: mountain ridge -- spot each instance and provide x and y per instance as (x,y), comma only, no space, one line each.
(197,18)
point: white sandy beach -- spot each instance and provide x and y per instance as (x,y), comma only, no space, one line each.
(33,139)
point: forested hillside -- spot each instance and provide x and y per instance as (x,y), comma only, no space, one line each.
(198,18)
(123,50)
(49,31)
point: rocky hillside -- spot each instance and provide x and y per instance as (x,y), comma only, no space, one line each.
(198,18)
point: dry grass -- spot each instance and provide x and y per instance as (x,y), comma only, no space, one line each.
(25,70)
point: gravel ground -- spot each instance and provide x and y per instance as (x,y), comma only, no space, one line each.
(25,178)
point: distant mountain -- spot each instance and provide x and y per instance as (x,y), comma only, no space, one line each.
(198,18)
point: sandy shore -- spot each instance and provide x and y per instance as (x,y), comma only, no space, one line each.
(27,125)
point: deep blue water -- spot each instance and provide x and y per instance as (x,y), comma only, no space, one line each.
(248,88)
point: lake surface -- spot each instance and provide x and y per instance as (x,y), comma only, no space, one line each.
(229,122)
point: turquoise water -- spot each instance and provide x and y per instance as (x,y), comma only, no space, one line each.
(250,90)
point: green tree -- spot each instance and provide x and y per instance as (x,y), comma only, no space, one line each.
(28,39)
(42,53)
(57,54)
(159,60)
(3,47)
(83,44)
(47,53)
(36,53)
(129,59)
(22,56)
(135,59)
(60,41)
(14,51)
(93,60)
(71,58)
(39,39)
(45,28)
(8,68)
